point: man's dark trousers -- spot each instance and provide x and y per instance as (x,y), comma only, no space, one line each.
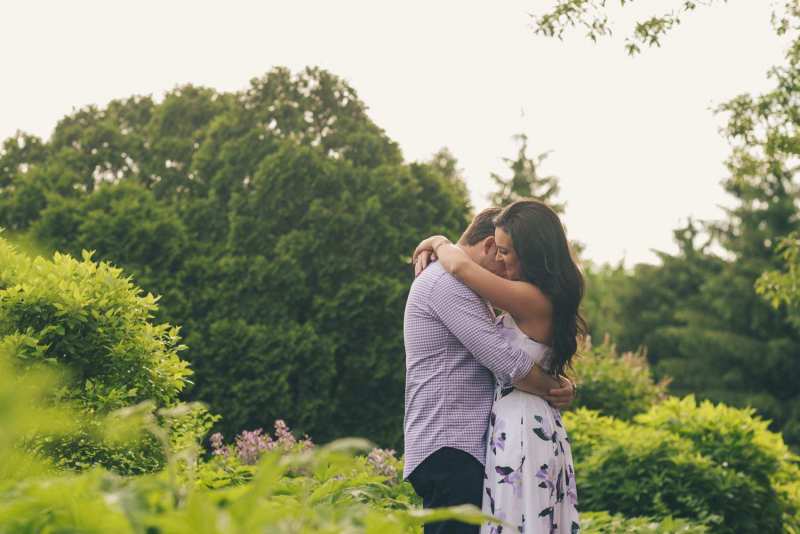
(449,477)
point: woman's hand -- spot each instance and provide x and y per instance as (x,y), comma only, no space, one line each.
(423,259)
(428,244)
(425,253)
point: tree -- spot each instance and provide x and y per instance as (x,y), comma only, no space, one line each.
(525,180)
(275,223)
(601,303)
(782,288)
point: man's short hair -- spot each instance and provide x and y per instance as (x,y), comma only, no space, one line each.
(481,227)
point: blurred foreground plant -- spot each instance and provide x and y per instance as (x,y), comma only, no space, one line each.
(92,324)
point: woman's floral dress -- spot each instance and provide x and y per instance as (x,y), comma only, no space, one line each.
(529,480)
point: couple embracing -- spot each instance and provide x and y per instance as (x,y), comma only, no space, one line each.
(482,421)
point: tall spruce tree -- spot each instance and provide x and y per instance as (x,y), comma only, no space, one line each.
(525,180)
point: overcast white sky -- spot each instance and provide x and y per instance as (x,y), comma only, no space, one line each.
(633,140)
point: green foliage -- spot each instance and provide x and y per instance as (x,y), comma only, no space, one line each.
(601,303)
(22,415)
(593,17)
(92,322)
(274,222)
(638,470)
(706,327)
(782,288)
(668,464)
(696,312)
(618,385)
(735,439)
(525,180)
(325,490)
(295,488)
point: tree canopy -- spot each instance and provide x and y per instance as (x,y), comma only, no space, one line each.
(274,222)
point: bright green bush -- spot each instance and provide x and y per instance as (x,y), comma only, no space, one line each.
(639,470)
(94,324)
(613,384)
(736,439)
(733,437)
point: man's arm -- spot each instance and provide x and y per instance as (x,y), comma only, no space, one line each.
(467,318)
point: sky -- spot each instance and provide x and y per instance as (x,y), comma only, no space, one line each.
(634,141)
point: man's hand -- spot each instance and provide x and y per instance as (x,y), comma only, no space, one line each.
(561,397)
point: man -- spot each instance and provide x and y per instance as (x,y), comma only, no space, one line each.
(453,349)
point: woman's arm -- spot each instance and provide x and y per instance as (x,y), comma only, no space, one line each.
(521,299)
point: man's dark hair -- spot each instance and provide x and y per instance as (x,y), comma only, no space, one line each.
(481,227)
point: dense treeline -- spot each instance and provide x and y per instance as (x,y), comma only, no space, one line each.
(279,245)
(273,222)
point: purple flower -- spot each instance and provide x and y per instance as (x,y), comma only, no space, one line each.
(284,437)
(382,461)
(250,445)
(217,445)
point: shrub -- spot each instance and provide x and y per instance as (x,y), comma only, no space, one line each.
(94,323)
(613,384)
(638,470)
(732,437)
(735,439)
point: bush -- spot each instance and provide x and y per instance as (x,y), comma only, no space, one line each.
(638,470)
(92,322)
(732,437)
(613,384)
(735,439)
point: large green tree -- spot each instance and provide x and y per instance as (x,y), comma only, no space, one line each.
(275,222)
(525,180)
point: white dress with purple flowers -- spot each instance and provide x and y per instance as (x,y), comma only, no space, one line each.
(529,480)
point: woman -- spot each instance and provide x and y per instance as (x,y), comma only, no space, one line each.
(529,479)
